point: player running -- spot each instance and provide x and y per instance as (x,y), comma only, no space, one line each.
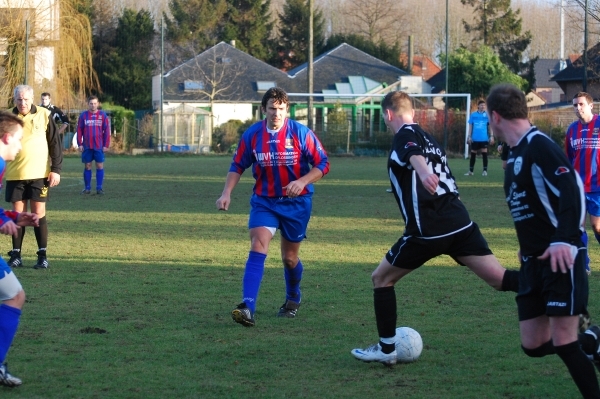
(286,158)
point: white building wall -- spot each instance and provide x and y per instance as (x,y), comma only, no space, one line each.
(43,64)
(156,92)
(414,85)
(225,112)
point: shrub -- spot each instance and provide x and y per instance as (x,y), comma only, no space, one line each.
(226,136)
(555,132)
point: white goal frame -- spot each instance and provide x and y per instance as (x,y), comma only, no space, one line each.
(364,97)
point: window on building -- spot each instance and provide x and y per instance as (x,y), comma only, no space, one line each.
(191,85)
(264,85)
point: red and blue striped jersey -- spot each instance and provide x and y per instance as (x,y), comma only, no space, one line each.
(280,158)
(93,130)
(5,216)
(582,144)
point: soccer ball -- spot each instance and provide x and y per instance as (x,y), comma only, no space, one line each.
(408,344)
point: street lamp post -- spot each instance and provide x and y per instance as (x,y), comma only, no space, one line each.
(585,46)
(447,73)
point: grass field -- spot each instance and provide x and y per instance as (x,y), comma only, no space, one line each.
(137,300)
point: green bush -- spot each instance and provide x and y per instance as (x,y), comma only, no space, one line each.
(555,132)
(121,118)
(226,136)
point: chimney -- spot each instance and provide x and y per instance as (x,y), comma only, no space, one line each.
(232,43)
(410,54)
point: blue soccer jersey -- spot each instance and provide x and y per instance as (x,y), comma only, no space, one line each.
(582,143)
(279,158)
(480,122)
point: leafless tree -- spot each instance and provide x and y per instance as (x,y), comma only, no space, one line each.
(210,76)
(376,20)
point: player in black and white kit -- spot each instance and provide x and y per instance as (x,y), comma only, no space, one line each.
(436,223)
(61,119)
(546,200)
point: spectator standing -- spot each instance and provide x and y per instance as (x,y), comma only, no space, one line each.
(60,118)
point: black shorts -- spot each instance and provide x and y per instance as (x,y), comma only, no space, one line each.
(479,145)
(20,190)
(542,292)
(412,252)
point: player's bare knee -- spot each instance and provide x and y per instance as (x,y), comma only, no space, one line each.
(17,301)
(379,279)
(290,262)
(21,297)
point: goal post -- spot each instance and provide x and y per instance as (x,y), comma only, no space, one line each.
(372,99)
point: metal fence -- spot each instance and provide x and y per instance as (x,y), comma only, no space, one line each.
(358,127)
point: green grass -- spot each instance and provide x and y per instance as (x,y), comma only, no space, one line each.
(137,300)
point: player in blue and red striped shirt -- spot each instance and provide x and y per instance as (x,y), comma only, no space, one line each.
(582,144)
(286,158)
(93,139)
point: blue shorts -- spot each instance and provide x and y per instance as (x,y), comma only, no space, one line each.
(90,155)
(290,215)
(592,203)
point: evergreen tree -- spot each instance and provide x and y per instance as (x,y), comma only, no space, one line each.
(499,27)
(476,72)
(382,51)
(249,23)
(195,23)
(125,68)
(292,41)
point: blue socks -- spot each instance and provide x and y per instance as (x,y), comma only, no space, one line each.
(87,179)
(9,322)
(99,178)
(292,282)
(253,274)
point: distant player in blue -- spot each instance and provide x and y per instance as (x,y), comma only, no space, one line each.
(286,158)
(478,137)
(11,291)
